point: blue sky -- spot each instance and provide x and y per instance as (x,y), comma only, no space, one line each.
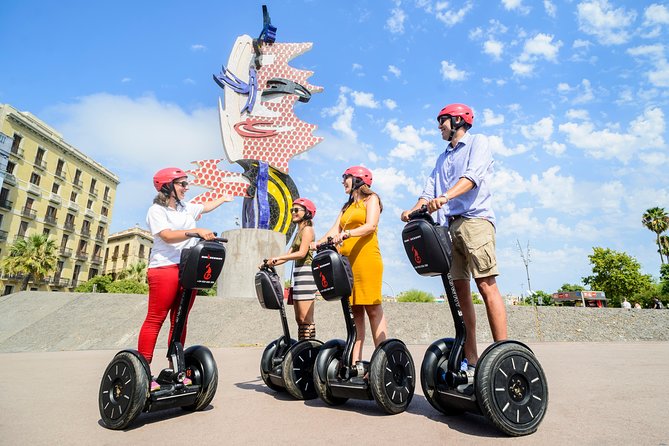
(573,95)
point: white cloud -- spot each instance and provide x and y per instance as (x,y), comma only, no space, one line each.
(490,119)
(189,81)
(607,24)
(540,130)
(198,47)
(390,104)
(515,5)
(362,99)
(494,48)
(497,146)
(540,46)
(343,114)
(391,182)
(356,67)
(125,80)
(659,75)
(522,69)
(644,132)
(395,23)
(656,15)
(573,113)
(450,16)
(563,87)
(585,93)
(555,148)
(451,73)
(394,70)
(410,143)
(550,8)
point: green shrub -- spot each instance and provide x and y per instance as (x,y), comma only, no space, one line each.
(128,286)
(101,284)
(414,295)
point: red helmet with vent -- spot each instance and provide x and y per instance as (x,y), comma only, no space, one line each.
(307,204)
(461,110)
(360,172)
(166,176)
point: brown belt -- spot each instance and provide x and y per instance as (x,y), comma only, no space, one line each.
(453,218)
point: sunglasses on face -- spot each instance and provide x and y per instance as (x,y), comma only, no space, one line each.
(182,183)
(443,118)
(295,210)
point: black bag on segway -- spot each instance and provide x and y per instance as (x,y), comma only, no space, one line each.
(428,246)
(201,265)
(268,288)
(332,274)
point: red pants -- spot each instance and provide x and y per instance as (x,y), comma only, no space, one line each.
(164,294)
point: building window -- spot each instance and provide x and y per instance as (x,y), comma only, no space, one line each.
(92,273)
(59,168)
(16,143)
(106,195)
(89,204)
(73,197)
(75,274)
(39,157)
(93,183)
(141,251)
(63,242)
(10,167)
(35,179)
(46,232)
(54,188)
(104,211)
(115,256)
(101,233)
(23,227)
(77,178)
(126,250)
(82,247)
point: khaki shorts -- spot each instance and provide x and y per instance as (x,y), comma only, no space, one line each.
(473,249)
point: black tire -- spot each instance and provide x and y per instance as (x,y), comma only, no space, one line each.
(123,391)
(392,376)
(204,376)
(511,389)
(266,362)
(330,358)
(298,369)
(432,373)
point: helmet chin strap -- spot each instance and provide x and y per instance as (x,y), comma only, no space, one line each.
(454,127)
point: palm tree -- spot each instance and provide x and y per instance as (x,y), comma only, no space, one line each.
(136,272)
(33,257)
(664,245)
(657,220)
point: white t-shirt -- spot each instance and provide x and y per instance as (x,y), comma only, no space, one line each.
(159,218)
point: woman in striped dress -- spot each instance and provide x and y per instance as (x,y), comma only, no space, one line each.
(304,288)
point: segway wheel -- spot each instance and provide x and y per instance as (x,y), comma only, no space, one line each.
(392,376)
(432,374)
(204,373)
(331,358)
(266,364)
(123,391)
(511,389)
(298,369)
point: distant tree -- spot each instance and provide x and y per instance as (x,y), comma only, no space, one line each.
(415,295)
(97,284)
(33,257)
(568,287)
(617,274)
(657,220)
(664,279)
(127,286)
(664,246)
(476,298)
(135,272)
(538,296)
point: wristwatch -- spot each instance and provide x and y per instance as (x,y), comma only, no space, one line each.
(445,195)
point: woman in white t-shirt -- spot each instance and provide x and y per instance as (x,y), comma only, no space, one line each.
(169,219)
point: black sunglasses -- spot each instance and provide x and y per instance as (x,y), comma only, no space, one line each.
(295,210)
(442,118)
(181,183)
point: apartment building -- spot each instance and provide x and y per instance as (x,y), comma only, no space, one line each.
(48,186)
(127,248)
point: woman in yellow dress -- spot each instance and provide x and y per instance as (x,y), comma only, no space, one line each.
(355,230)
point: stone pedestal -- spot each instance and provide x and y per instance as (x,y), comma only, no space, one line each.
(245,250)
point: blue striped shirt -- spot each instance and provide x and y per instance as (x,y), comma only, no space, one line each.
(471,158)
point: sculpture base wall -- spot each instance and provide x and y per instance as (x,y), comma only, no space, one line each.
(245,250)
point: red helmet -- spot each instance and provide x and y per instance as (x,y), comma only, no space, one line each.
(308,205)
(166,176)
(360,172)
(461,110)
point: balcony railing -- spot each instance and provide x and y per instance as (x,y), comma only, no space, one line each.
(29,212)
(40,164)
(104,219)
(59,282)
(60,174)
(55,198)
(81,255)
(17,152)
(34,189)
(50,219)
(10,179)
(3,236)
(93,193)
(106,199)
(100,237)
(6,204)
(74,283)
(96,259)
(65,251)
(78,183)
(85,232)
(89,213)
(74,206)
(69,226)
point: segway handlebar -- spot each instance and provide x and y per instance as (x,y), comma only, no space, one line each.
(329,244)
(421,214)
(215,239)
(267,266)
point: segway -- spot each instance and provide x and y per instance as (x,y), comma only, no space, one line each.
(124,390)
(390,381)
(509,386)
(285,363)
